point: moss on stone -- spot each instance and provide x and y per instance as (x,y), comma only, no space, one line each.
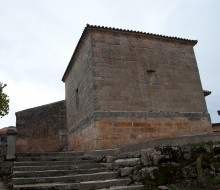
(167,173)
(200,173)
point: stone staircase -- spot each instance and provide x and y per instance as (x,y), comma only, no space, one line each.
(65,170)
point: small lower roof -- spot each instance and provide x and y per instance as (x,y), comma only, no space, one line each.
(206,92)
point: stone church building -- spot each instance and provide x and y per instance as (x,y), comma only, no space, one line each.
(121,87)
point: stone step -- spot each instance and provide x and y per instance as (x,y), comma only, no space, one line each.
(56,154)
(58,167)
(127,162)
(67,178)
(52,173)
(50,158)
(82,185)
(49,163)
(130,187)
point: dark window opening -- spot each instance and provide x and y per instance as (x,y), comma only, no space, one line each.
(151,71)
(77,99)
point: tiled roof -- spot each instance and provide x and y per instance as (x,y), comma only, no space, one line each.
(206,92)
(88,26)
(136,32)
(3,130)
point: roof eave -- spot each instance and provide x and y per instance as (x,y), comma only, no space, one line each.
(193,42)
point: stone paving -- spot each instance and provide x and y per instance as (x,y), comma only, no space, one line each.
(2,186)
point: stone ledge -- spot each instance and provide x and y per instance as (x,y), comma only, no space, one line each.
(192,116)
(215,137)
(98,115)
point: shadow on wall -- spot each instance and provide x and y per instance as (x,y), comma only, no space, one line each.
(216,126)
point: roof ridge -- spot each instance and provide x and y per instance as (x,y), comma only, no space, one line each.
(138,32)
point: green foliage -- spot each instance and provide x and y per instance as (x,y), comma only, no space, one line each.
(197,149)
(168,173)
(216,180)
(200,175)
(171,154)
(4,101)
(215,163)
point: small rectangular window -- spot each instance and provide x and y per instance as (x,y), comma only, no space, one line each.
(77,99)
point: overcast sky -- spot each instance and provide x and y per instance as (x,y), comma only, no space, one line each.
(38,37)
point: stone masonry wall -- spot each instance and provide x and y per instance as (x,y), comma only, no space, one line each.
(79,89)
(117,129)
(140,73)
(185,166)
(42,129)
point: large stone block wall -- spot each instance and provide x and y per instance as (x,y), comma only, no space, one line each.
(137,73)
(79,88)
(42,128)
(116,129)
(133,75)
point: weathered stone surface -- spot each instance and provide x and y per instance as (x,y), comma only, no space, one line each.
(42,129)
(171,154)
(135,154)
(109,159)
(148,173)
(6,168)
(127,162)
(126,171)
(120,88)
(130,187)
(184,174)
(186,153)
(2,150)
(11,143)
(163,188)
(147,97)
(97,158)
(2,186)
(189,172)
(150,157)
(109,166)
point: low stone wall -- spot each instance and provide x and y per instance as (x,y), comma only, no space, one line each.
(216,127)
(107,130)
(42,129)
(185,166)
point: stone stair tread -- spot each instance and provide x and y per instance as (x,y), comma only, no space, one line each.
(65,178)
(45,163)
(127,187)
(50,158)
(42,171)
(54,172)
(84,169)
(67,175)
(82,185)
(99,181)
(57,167)
(72,153)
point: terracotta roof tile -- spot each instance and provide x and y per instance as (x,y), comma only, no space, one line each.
(3,130)
(206,92)
(137,32)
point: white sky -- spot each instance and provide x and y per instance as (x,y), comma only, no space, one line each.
(38,37)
